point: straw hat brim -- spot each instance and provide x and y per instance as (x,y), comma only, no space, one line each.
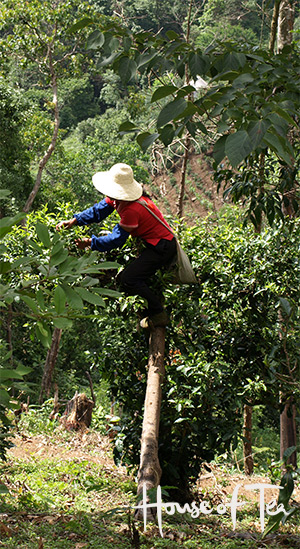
(105,184)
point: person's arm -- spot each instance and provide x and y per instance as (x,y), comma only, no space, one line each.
(115,239)
(95,214)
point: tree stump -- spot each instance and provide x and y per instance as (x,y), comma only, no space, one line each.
(78,413)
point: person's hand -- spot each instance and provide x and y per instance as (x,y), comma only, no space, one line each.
(83,243)
(66,224)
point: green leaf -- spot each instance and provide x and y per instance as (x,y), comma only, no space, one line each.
(289,451)
(256,132)
(198,64)
(127,69)
(73,298)
(104,61)
(109,293)
(90,297)
(146,139)
(172,35)
(167,134)
(286,307)
(237,146)
(163,91)
(84,22)
(61,323)
(23,370)
(30,303)
(4,398)
(6,373)
(43,234)
(104,265)
(58,258)
(219,149)
(40,299)
(59,299)
(5,267)
(171,111)
(43,334)
(95,40)
(242,79)
(278,145)
(43,329)
(127,127)
(4,194)
(6,223)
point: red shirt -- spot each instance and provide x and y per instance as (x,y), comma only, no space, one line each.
(139,222)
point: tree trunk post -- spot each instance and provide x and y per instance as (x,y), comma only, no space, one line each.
(286,18)
(274,25)
(247,444)
(150,471)
(50,364)
(288,431)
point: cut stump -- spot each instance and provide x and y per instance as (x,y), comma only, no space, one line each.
(78,413)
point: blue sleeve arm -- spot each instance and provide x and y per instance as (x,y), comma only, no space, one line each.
(115,239)
(95,214)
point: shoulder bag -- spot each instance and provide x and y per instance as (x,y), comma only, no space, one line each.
(180,266)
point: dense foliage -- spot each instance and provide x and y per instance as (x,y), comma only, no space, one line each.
(126,94)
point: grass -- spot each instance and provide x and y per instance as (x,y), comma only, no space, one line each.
(66,492)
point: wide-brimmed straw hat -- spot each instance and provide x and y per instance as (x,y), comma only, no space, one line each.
(118,183)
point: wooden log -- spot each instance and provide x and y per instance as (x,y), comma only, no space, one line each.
(149,473)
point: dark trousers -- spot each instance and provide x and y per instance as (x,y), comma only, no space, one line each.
(134,279)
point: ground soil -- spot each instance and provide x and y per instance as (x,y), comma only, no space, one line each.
(215,486)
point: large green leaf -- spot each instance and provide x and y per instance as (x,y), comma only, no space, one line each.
(219,149)
(43,334)
(59,297)
(167,134)
(4,398)
(127,127)
(279,146)
(171,111)
(257,131)
(30,303)
(73,298)
(163,91)
(9,374)
(90,297)
(62,323)
(146,139)
(198,64)
(6,223)
(238,146)
(95,40)
(43,234)
(127,69)
(109,293)
(58,258)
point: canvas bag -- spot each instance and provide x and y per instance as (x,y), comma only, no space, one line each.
(180,266)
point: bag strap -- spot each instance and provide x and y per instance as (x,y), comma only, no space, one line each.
(144,203)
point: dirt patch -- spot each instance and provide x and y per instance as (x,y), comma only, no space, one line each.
(201,196)
(80,446)
(219,485)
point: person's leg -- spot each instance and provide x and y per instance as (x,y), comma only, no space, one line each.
(135,278)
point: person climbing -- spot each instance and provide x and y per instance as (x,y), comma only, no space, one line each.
(139,217)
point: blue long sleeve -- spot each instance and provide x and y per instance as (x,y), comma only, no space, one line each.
(115,239)
(95,214)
